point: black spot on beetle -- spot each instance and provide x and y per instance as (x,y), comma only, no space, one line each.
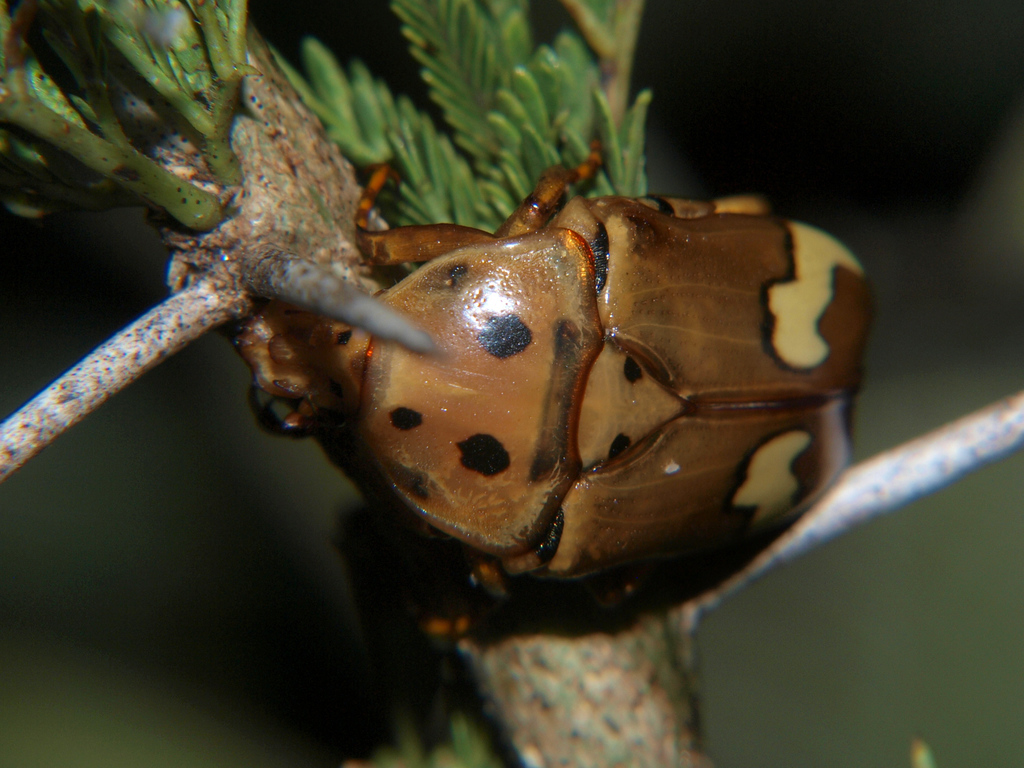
(336,389)
(455,274)
(632,370)
(343,337)
(406,418)
(547,548)
(599,247)
(505,335)
(619,444)
(484,454)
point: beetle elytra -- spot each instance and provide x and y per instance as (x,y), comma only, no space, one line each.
(616,380)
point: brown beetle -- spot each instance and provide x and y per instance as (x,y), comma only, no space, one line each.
(629,379)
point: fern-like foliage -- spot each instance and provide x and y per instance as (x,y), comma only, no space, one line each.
(152,83)
(513,109)
(372,126)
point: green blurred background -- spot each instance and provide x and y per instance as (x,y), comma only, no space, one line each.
(168,591)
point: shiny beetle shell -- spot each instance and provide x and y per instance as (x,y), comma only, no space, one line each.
(637,378)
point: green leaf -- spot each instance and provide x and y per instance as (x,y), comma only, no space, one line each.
(527,91)
(513,109)
(611,149)
(84,145)
(634,182)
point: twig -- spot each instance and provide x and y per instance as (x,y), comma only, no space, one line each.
(112,366)
(599,699)
(290,168)
(316,288)
(882,484)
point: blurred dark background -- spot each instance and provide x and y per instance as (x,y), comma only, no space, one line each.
(168,590)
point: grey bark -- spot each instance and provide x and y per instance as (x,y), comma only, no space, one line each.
(625,698)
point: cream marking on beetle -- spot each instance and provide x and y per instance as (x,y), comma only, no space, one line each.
(770,485)
(797,305)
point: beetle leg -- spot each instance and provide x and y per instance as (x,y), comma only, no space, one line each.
(378,178)
(487,573)
(417,242)
(420,242)
(534,212)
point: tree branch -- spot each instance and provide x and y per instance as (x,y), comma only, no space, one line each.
(289,169)
(112,366)
(597,699)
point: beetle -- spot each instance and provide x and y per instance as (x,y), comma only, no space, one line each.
(615,379)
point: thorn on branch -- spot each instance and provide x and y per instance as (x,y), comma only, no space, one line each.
(314,287)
